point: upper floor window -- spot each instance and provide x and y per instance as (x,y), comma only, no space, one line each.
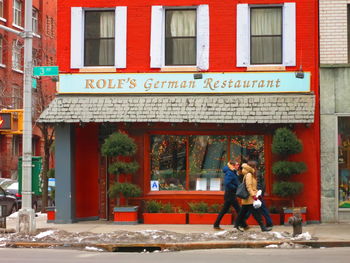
(1,8)
(266,35)
(16,56)
(16,97)
(102,34)
(35,19)
(1,50)
(180,37)
(99,38)
(17,12)
(50,25)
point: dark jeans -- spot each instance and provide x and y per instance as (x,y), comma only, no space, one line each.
(225,208)
(264,212)
(244,211)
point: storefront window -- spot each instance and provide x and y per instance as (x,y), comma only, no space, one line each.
(168,161)
(195,162)
(344,161)
(207,157)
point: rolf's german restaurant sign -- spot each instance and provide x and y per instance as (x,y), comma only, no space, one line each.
(133,83)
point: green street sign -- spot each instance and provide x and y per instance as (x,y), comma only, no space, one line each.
(45,71)
(34,83)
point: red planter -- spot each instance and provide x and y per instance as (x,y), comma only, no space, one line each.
(209,219)
(276,220)
(51,214)
(288,212)
(125,215)
(164,218)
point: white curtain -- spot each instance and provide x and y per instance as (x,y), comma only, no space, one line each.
(266,47)
(182,24)
(106,45)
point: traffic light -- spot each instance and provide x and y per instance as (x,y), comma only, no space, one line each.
(5,121)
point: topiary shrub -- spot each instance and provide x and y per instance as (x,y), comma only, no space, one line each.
(118,146)
(285,143)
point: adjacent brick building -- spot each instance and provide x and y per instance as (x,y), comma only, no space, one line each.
(195,83)
(335,110)
(11,72)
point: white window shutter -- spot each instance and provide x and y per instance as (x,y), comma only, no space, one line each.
(156,36)
(243,43)
(203,37)
(289,35)
(76,38)
(120,36)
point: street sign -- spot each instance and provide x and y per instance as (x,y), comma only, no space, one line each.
(34,83)
(45,71)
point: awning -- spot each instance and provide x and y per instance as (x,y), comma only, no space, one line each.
(291,108)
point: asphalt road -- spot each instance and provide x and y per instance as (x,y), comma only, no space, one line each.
(326,255)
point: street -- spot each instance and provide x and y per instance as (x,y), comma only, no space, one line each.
(334,255)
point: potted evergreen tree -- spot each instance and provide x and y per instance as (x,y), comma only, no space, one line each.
(119,147)
(285,143)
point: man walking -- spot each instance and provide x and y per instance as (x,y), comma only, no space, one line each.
(231,183)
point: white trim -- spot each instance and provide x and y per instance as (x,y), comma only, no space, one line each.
(157,39)
(36,35)
(77,38)
(120,37)
(203,37)
(289,34)
(242,40)
(3,19)
(2,65)
(18,70)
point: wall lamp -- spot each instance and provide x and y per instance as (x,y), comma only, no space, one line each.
(198,76)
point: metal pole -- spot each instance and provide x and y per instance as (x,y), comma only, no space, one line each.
(26,217)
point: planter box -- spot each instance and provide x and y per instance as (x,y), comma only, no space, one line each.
(125,215)
(164,218)
(51,214)
(209,219)
(288,212)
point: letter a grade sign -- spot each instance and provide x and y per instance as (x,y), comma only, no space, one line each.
(154,185)
(5,121)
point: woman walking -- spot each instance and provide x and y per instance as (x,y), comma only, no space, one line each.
(250,179)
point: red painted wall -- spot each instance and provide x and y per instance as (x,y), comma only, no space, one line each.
(86,171)
(222,59)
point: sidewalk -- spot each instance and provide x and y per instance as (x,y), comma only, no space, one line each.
(100,234)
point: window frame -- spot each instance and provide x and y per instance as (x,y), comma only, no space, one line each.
(16,98)
(35,21)
(243,47)
(17,13)
(166,9)
(2,7)
(1,51)
(251,36)
(77,38)
(147,159)
(16,57)
(84,37)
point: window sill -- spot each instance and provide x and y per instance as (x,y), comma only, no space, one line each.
(36,35)
(18,70)
(3,19)
(18,27)
(266,68)
(179,69)
(2,65)
(83,70)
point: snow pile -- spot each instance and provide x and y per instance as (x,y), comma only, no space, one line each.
(44,234)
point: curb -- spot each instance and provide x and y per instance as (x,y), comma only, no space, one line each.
(139,247)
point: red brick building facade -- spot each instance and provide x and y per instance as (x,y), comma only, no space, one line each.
(11,72)
(214,94)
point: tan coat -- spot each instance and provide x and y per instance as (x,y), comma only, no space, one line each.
(251,183)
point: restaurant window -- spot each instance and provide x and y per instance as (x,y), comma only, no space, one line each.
(102,34)
(266,35)
(99,38)
(17,13)
(195,162)
(180,37)
(344,162)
